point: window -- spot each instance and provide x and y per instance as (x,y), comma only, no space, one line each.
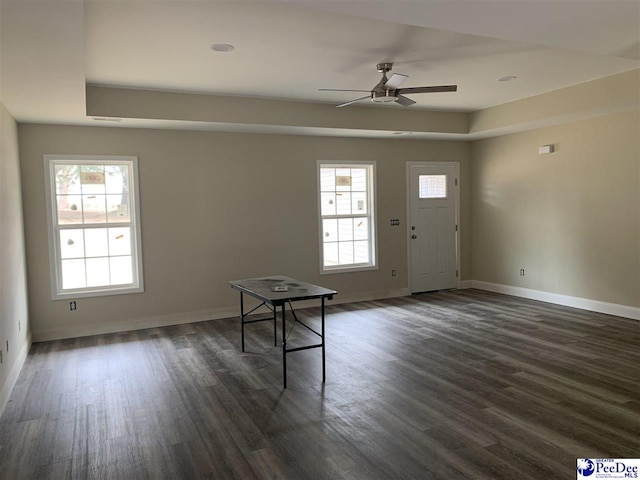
(94,225)
(347,216)
(433,186)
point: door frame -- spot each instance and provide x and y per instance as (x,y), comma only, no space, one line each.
(457,213)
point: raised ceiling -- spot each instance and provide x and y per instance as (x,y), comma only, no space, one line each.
(286,51)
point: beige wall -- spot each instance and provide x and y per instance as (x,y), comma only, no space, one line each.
(14,323)
(217,207)
(571,219)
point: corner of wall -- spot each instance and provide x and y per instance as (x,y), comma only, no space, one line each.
(15,336)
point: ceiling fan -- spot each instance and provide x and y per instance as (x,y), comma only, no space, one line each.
(387,91)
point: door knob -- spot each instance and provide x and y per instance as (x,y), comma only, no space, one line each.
(414,236)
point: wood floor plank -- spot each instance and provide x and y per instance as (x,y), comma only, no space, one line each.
(445,385)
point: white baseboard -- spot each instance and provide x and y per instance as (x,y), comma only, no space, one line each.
(117,326)
(7,388)
(234,311)
(566,300)
(368,296)
(193,317)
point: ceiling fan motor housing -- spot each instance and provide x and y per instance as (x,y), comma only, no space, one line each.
(380,94)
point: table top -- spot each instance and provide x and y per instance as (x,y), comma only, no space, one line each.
(262,288)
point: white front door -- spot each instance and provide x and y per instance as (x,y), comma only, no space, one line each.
(432,204)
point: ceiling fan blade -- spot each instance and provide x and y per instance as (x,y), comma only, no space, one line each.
(404,101)
(340,90)
(394,82)
(352,101)
(435,89)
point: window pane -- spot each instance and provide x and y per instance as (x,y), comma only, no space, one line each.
(118,208)
(67,179)
(69,209)
(121,270)
(72,243)
(358,179)
(73,274)
(345,229)
(360,229)
(330,230)
(327,179)
(120,241)
(95,208)
(359,202)
(345,253)
(96,242)
(116,179)
(433,186)
(92,179)
(328,205)
(343,203)
(361,252)
(97,272)
(343,179)
(330,254)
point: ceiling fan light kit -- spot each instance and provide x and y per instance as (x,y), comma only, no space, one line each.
(386,96)
(387,89)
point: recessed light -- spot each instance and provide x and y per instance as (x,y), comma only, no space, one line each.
(222,47)
(507,78)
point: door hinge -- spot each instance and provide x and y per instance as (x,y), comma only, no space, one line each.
(456,228)
(456,273)
(456,182)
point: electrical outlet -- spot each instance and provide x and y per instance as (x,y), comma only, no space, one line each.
(522,272)
(72,305)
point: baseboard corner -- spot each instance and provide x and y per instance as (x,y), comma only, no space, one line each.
(7,388)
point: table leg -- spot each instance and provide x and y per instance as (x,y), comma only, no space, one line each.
(242,318)
(275,332)
(284,350)
(324,377)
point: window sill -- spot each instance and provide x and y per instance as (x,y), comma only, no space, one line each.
(347,269)
(84,293)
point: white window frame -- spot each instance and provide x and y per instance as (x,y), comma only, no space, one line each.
(372,264)
(55,257)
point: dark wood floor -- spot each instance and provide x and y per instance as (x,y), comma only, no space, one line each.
(448,385)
